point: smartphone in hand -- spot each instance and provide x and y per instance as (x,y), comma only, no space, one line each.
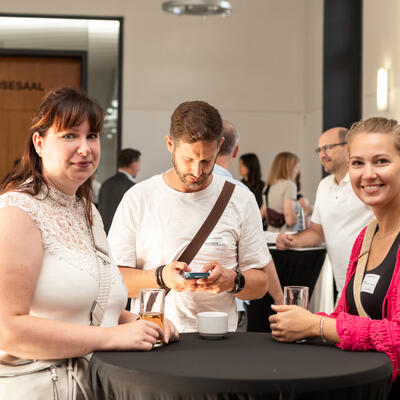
(196,275)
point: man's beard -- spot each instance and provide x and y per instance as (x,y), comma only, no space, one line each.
(185,177)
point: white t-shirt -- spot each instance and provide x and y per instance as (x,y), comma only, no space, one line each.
(154,224)
(342,216)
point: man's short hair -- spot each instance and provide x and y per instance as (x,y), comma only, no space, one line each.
(196,121)
(231,138)
(127,156)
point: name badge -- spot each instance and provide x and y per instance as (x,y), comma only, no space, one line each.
(369,283)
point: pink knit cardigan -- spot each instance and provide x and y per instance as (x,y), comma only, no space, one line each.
(363,334)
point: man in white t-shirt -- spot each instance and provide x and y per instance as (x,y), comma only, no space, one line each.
(339,215)
(158,218)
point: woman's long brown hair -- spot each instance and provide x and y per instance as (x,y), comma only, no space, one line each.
(61,109)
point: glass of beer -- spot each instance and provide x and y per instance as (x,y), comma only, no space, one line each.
(152,308)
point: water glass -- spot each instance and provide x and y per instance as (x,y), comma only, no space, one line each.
(296,295)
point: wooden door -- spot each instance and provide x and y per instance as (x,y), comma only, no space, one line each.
(24,80)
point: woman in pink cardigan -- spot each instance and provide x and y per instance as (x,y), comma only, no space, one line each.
(374,151)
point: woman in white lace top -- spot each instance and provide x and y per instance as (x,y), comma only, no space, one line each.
(49,268)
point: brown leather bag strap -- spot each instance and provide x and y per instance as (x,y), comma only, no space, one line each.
(209,224)
(361,264)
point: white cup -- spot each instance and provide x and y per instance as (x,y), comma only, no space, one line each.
(212,324)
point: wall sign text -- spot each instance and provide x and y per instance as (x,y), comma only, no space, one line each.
(21,85)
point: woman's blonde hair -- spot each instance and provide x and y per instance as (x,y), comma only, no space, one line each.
(375,125)
(282,167)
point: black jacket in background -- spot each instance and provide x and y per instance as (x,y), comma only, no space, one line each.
(111,193)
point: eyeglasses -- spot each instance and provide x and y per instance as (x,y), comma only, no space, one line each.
(328,147)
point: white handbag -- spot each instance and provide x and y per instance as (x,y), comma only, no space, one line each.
(22,379)
(43,380)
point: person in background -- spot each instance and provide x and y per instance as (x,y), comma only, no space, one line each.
(158,218)
(49,276)
(281,193)
(114,188)
(304,203)
(374,149)
(227,153)
(250,170)
(338,213)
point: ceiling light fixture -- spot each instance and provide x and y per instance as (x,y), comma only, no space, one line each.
(197,7)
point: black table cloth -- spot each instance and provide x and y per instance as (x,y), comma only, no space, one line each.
(294,267)
(242,366)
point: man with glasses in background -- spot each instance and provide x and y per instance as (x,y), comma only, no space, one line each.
(338,215)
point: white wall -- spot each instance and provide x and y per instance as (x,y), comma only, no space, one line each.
(381,38)
(261,67)
(313,83)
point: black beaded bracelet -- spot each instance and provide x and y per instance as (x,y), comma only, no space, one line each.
(159,278)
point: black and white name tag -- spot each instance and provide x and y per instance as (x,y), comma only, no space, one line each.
(369,283)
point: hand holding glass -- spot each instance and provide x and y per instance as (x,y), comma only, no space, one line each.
(297,296)
(152,308)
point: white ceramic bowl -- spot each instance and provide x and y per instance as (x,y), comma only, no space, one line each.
(212,324)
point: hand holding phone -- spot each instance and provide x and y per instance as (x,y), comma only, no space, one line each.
(196,275)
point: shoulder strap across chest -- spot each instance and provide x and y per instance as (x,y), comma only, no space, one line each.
(361,265)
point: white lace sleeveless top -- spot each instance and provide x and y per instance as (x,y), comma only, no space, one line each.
(68,283)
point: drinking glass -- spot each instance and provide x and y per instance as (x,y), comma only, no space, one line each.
(296,295)
(152,308)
